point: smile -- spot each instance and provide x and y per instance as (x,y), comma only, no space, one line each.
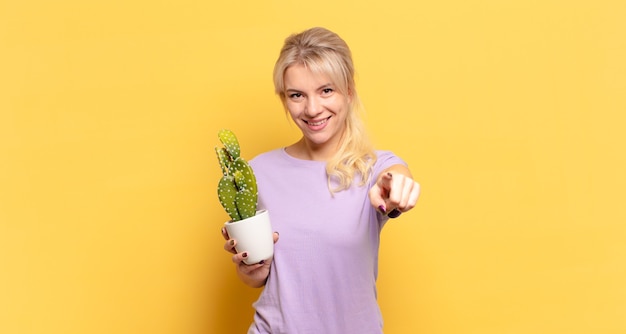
(317,123)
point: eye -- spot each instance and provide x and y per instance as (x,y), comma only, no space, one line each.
(294,96)
(327,91)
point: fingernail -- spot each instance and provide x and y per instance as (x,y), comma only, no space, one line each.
(223,230)
(277,233)
(231,242)
(382,209)
(389,174)
(394,213)
(245,254)
(262,262)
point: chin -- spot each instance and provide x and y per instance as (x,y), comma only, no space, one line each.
(318,140)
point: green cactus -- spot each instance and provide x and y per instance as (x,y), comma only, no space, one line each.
(237,190)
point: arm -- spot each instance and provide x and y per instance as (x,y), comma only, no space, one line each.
(254,275)
(394,189)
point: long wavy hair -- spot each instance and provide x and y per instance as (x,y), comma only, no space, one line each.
(323,51)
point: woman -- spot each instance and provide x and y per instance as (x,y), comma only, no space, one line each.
(329,195)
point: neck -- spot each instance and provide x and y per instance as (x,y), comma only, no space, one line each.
(305,150)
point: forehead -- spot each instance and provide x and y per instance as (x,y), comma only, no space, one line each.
(299,76)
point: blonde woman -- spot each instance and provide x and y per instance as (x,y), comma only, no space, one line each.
(329,193)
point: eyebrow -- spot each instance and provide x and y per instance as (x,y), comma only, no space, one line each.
(327,85)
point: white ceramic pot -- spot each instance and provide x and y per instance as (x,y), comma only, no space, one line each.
(254,235)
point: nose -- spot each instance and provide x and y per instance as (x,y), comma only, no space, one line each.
(313,107)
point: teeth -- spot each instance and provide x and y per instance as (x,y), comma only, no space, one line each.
(317,123)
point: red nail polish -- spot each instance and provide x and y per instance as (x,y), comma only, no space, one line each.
(382,209)
(244,255)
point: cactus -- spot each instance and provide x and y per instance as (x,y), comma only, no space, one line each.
(237,190)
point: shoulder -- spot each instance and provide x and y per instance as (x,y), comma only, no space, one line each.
(274,159)
(385,159)
(269,155)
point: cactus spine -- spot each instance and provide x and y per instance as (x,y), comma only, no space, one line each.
(237,190)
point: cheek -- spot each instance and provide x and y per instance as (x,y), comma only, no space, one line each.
(292,109)
(341,108)
(293,114)
(340,103)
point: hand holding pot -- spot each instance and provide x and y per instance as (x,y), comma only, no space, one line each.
(253,275)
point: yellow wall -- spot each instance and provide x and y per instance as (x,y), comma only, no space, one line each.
(511,114)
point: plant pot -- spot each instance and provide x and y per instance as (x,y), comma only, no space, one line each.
(254,236)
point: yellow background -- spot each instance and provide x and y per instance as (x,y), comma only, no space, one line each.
(510,114)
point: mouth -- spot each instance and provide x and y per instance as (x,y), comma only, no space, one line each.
(318,122)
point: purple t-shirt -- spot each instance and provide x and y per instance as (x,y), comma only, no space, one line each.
(323,276)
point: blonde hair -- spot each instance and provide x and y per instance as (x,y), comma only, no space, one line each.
(323,51)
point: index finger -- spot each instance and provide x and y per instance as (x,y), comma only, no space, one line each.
(379,193)
(385,181)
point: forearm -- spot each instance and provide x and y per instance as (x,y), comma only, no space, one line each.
(253,282)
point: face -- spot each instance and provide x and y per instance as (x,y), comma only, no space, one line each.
(316,106)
